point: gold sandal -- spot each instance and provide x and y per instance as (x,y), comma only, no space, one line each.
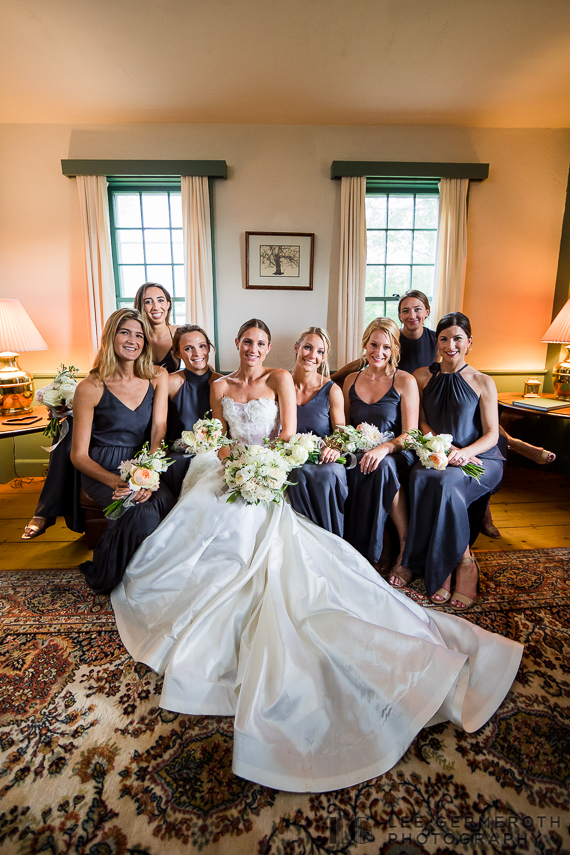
(468,603)
(444,594)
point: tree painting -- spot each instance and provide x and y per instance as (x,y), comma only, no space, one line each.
(279,260)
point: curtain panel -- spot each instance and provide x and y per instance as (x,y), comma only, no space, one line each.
(198,267)
(94,210)
(352,280)
(451,251)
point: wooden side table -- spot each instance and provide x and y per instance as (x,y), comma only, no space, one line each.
(12,427)
(547,430)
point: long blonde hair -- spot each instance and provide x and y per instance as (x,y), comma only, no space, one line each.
(388,326)
(324,367)
(106,362)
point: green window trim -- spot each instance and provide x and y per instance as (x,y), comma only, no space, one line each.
(146,168)
(407,169)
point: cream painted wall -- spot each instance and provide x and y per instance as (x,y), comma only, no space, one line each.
(279,181)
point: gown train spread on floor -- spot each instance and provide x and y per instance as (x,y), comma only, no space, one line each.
(255,612)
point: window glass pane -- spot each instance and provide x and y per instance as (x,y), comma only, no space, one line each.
(178,313)
(392,311)
(424,247)
(376,212)
(400,212)
(157,245)
(155,210)
(375,247)
(422,280)
(161,274)
(131,278)
(127,210)
(177,246)
(176,210)
(373,310)
(397,280)
(399,248)
(427,208)
(179,286)
(375,281)
(130,246)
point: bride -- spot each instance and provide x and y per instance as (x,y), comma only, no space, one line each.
(253,611)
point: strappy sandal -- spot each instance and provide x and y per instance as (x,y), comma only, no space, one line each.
(468,603)
(444,594)
(400,576)
(34,530)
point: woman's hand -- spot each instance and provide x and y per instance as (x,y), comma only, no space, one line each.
(372,458)
(329,455)
(461,456)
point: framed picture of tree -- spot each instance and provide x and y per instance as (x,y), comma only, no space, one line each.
(279,261)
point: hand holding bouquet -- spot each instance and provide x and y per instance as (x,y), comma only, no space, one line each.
(257,473)
(58,398)
(206,435)
(140,473)
(348,439)
(433,452)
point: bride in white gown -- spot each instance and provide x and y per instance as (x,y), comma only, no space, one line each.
(255,612)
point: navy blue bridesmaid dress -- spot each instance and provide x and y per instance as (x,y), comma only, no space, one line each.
(191,402)
(118,433)
(417,352)
(60,493)
(370,496)
(320,489)
(439,529)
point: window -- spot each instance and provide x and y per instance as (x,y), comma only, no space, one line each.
(401,232)
(146,235)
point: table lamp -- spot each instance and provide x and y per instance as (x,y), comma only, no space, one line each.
(17,333)
(559,333)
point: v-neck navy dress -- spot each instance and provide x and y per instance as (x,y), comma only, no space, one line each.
(117,434)
(439,530)
(191,402)
(370,495)
(320,489)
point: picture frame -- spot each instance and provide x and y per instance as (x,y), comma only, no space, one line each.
(279,261)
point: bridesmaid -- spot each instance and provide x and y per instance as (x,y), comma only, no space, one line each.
(320,491)
(188,395)
(457,400)
(120,405)
(154,302)
(386,397)
(417,342)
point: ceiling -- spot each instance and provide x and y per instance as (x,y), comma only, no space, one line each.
(485,63)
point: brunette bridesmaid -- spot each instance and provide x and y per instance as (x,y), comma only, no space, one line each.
(320,490)
(154,302)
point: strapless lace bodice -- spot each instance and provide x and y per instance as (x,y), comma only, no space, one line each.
(252,422)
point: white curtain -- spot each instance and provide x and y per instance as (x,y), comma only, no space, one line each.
(352,282)
(451,253)
(94,209)
(198,268)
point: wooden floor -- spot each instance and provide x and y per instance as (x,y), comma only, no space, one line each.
(532,511)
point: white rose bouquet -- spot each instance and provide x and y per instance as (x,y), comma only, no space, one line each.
(433,452)
(348,439)
(58,398)
(257,473)
(301,448)
(206,435)
(140,473)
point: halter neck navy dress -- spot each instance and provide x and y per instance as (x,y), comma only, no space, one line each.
(320,490)
(117,434)
(439,530)
(370,496)
(191,402)
(417,352)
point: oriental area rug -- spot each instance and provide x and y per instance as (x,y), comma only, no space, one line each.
(91,765)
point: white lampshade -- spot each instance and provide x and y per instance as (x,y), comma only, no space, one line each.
(17,331)
(559,330)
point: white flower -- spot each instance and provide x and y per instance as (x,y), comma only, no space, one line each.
(306,440)
(52,398)
(299,455)
(244,474)
(188,437)
(126,469)
(437,444)
(67,390)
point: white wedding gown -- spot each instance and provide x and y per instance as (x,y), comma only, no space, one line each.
(255,612)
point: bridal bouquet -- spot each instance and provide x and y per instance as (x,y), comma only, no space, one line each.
(206,435)
(140,473)
(257,473)
(433,452)
(58,398)
(348,439)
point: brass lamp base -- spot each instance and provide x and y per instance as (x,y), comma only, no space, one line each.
(561,377)
(16,386)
